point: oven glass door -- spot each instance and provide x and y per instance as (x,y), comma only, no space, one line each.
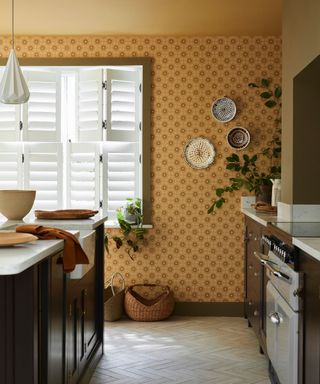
(282,336)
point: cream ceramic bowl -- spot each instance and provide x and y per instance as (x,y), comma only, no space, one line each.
(15,204)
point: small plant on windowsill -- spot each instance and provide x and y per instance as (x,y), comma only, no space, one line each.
(248,175)
(132,233)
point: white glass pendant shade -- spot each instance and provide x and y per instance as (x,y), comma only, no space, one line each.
(13,87)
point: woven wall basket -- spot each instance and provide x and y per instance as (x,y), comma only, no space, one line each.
(140,308)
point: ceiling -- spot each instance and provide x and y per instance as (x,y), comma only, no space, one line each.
(143,17)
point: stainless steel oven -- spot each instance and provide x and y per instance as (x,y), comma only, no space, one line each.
(282,306)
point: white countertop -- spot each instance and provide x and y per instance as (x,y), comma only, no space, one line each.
(20,257)
(262,218)
(79,224)
(310,245)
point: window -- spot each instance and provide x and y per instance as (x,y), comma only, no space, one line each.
(82,140)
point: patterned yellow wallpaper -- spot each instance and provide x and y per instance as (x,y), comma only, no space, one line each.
(199,256)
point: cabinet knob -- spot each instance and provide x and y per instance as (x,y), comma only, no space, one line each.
(256,274)
(250,266)
(297,292)
(250,303)
(256,313)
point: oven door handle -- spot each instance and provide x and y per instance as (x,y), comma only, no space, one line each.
(261,257)
(278,274)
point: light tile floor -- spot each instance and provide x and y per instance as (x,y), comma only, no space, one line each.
(182,350)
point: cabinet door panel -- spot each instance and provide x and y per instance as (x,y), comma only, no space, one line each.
(311,327)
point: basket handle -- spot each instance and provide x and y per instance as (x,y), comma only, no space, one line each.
(110,281)
(151,285)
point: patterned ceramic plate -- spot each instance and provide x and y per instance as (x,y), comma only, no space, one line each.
(223,109)
(238,138)
(199,153)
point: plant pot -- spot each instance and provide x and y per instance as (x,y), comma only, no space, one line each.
(265,194)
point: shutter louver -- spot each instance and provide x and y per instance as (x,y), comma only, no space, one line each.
(43,172)
(11,166)
(83,175)
(123,105)
(120,179)
(90,105)
(9,120)
(41,115)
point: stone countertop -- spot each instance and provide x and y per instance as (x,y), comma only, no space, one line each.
(262,218)
(79,224)
(18,258)
(310,245)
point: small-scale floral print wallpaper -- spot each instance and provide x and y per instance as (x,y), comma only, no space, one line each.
(200,256)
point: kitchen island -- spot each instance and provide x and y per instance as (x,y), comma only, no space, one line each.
(51,322)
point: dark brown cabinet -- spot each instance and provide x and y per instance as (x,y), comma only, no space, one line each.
(51,327)
(310,319)
(81,330)
(254,280)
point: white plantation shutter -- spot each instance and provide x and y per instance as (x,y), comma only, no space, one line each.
(83,175)
(43,167)
(90,105)
(120,175)
(41,115)
(11,176)
(10,116)
(123,105)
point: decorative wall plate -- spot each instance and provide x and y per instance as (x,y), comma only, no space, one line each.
(238,138)
(199,153)
(223,109)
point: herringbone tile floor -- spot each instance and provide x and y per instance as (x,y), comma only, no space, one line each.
(182,350)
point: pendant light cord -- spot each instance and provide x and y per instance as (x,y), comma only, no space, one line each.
(12,23)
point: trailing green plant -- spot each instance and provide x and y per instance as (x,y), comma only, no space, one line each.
(132,233)
(248,173)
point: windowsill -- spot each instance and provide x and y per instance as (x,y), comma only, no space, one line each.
(114,224)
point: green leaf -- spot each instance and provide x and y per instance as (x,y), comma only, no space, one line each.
(231,159)
(210,209)
(265,95)
(220,202)
(246,158)
(106,243)
(118,241)
(219,192)
(254,158)
(236,157)
(265,82)
(270,103)
(253,85)
(231,166)
(278,92)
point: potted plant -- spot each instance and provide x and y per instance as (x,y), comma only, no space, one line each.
(247,170)
(132,233)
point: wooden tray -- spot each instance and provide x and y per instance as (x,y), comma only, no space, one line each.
(8,239)
(262,207)
(65,214)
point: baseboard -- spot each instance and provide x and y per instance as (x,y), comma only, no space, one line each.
(209,309)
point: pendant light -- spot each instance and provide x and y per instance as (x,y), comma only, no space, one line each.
(13,87)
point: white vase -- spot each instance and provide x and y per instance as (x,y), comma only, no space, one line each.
(276,191)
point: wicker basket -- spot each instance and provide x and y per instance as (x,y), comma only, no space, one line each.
(113,299)
(139,308)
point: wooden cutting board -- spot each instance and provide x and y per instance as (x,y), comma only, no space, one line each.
(65,214)
(8,239)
